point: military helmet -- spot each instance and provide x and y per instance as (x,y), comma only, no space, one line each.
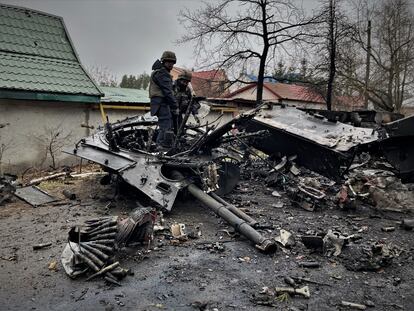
(185,75)
(168,56)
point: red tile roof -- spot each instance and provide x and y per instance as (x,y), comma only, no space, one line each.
(354,102)
(285,91)
(301,93)
(295,92)
(213,75)
(208,83)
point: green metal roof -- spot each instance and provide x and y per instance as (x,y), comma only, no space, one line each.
(123,95)
(36,55)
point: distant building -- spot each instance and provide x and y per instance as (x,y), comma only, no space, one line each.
(407,107)
(348,103)
(289,94)
(210,83)
(44,89)
(294,95)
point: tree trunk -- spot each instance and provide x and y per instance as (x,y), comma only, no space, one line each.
(367,69)
(332,55)
(260,76)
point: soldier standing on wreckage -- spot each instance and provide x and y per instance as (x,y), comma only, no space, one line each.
(184,95)
(163,102)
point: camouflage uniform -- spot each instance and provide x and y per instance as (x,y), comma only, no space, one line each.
(184,95)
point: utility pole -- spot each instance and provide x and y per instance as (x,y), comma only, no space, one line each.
(367,64)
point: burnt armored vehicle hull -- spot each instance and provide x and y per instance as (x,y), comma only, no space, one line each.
(127,148)
(197,162)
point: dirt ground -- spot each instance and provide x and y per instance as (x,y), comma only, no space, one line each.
(200,274)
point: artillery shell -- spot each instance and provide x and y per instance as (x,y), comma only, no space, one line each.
(92,257)
(40,246)
(100,246)
(93,227)
(88,262)
(288,280)
(100,219)
(104,270)
(112,281)
(120,272)
(104,230)
(95,251)
(107,224)
(309,264)
(407,224)
(69,195)
(353,305)
(107,241)
(103,236)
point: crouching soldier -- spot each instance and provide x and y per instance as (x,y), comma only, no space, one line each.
(163,102)
(184,95)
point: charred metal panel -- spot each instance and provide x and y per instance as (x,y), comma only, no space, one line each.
(398,148)
(138,169)
(148,178)
(403,127)
(103,157)
(34,196)
(356,117)
(323,146)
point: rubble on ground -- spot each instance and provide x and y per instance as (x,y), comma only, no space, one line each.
(7,188)
(329,228)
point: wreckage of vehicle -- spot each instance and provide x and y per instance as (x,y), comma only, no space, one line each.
(328,146)
(197,162)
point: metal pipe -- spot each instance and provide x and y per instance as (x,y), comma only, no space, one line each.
(235,210)
(262,243)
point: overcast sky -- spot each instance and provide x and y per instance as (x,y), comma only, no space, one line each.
(126,36)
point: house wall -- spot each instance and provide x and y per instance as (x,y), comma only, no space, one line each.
(300,104)
(250,94)
(32,123)
(407,110)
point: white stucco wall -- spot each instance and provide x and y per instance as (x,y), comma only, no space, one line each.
(250,94)
(29,123)
(301,104)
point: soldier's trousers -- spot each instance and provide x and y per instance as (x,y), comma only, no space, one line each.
(165,125)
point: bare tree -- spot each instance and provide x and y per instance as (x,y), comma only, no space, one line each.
(236,33)
(391,52)
(52,142)
(326,48)
(102,76)
(5,145)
